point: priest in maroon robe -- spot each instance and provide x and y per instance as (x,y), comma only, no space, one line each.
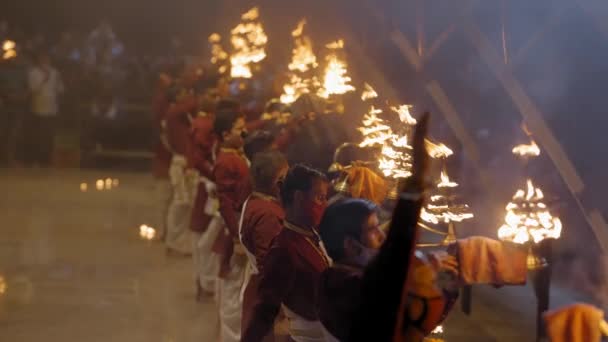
(231,174)
(294,263)
(261,221)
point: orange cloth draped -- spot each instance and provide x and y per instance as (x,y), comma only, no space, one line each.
(486,261)
(574,323)
(365,183)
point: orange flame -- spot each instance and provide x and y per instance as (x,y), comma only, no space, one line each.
(335,80)
(303,59)
(404,114)
(248,41)
(368,93)
(530,150)
(437,151)
(528,218)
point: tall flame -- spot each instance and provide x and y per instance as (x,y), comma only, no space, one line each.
(446,182)
(404,114)
(248,41)
(218,55)
(335,79)
(375,131)
(368,93)
(303,60)
(437,151)
(530,150)
(528,219)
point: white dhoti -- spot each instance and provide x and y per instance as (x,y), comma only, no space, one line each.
(303,330)
(163,193)
(230,302)
(206,262)
(185,184)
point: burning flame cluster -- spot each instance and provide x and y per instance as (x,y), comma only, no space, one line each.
(218,55)
(9,49)
(248,40)
(303,61)
(442,208)
(335,79)
(528,218)
(395,160)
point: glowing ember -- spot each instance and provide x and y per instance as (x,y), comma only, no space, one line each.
(218,55)
(404,114)
(302,61)
(248,40)
(146,232)
(368,93)
(335,80)
(437,151)
(530,150)
(84,187)
(446,182)
(528,218)
(438,330)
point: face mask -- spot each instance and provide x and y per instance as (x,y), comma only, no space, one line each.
(315,212)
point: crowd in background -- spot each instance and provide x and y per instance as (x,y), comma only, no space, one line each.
(96,78)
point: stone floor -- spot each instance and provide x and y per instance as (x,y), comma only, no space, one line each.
(75,269)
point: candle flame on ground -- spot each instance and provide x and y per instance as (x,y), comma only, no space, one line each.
(146,232)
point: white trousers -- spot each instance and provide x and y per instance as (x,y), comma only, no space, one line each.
(230,303)
(207,263)
(185,184)
(163,193)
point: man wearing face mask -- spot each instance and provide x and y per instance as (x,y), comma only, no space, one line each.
(350,232)
(293,265)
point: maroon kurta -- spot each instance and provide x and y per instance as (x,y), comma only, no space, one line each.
(262,222)
(290,276)
(339,292)
(200,158)
(178,125)
(231,174)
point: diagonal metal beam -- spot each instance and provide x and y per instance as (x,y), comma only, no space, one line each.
(534,120)
(538,35)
